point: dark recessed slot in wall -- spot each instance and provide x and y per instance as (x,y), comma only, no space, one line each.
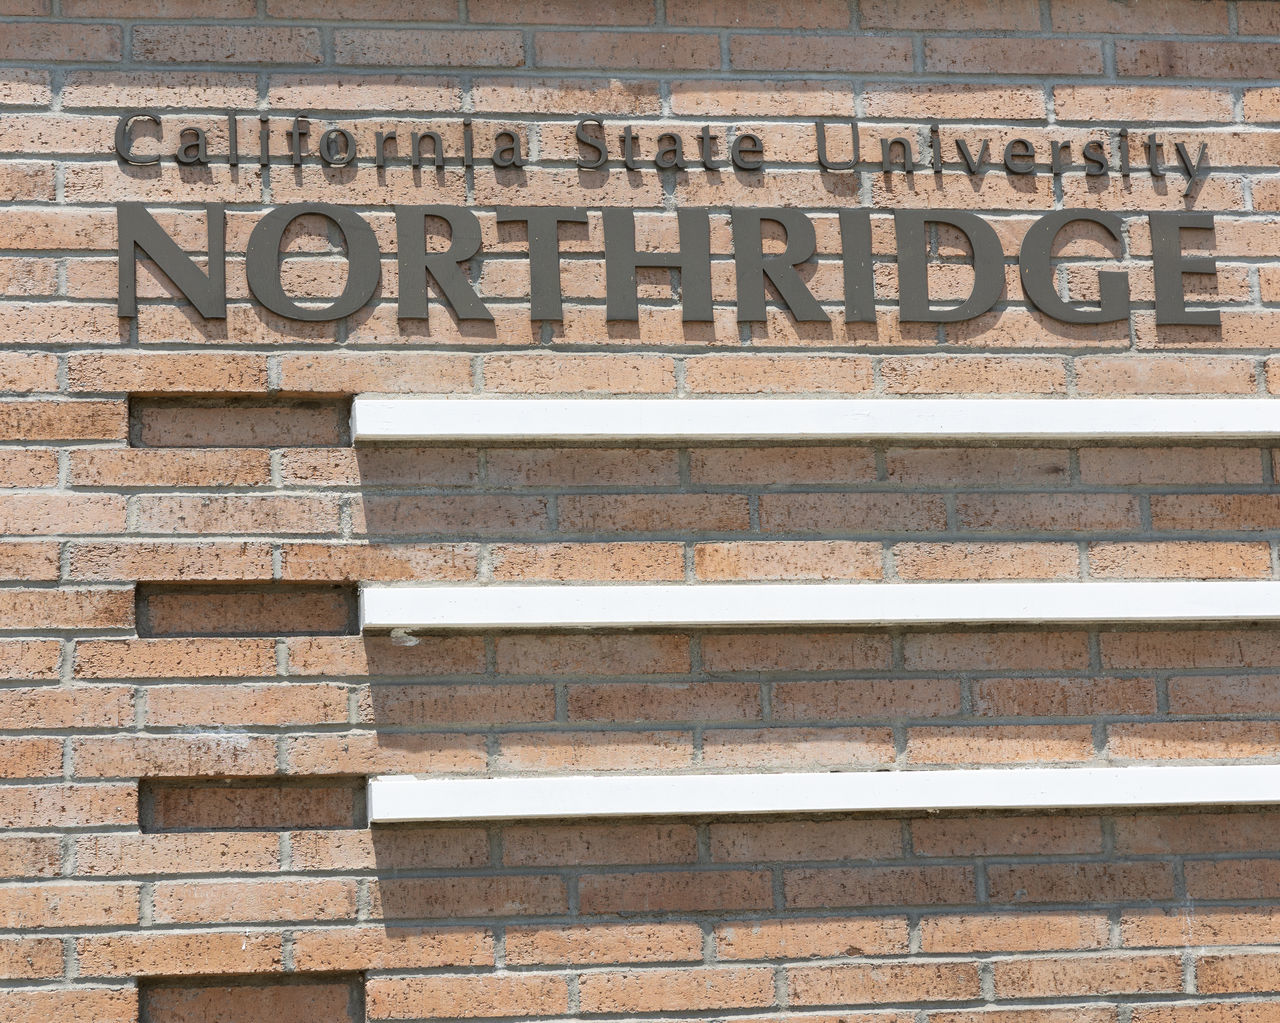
(239,422)
(259,609)
(198,804)
(319,998)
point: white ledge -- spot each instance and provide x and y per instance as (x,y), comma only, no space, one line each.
(405,798)
(714,605)
(483,420)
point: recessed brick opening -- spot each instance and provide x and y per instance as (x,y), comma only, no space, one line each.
(330,998)
(270,609)
(239,422)
(199,804)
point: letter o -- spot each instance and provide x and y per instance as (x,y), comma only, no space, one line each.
(329,147)
(262,261)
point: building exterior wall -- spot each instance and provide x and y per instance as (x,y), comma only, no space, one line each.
(190,712)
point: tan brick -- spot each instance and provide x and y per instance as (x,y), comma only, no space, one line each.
(675,891)
(158,560)
(856,512)
(176,756)
(893,982)
(986,561)
(115,855)
(29,467)
(29,959)
(1192,740)
(164,513)
(467,995)
(68,904)
(778,374)
(1107,974)
(657,990)
(42,42)
(399,849)
(164,658)
(178,953)
(999,697)
(71,608)
(28,561)
(448,898)
(198,44)
(806,840)
(848,54)
(265,805)
(928,15)
(1079,882)
(1013,932)
(1207,925)
(428,48)
(122,467)
(878,886)
(859,699)
(374,655)
(1179,560)
(558,752)
(63,420)
(156,372)
(564,562)
(677,701)
(371,753)
(79,1004)
(389,948)
(592,944)
(782,559)
(254,901)
(284,1003)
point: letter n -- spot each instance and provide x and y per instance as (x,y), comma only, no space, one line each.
(137,229)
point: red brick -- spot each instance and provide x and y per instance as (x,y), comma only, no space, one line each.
(388,948)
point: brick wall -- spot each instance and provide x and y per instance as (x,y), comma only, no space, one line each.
(189,713)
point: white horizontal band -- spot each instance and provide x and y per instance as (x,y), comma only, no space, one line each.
(476,420)
(710,605)
(405,798)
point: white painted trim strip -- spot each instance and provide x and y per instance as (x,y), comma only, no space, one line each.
(713,605)
(483,420)
(404,798)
